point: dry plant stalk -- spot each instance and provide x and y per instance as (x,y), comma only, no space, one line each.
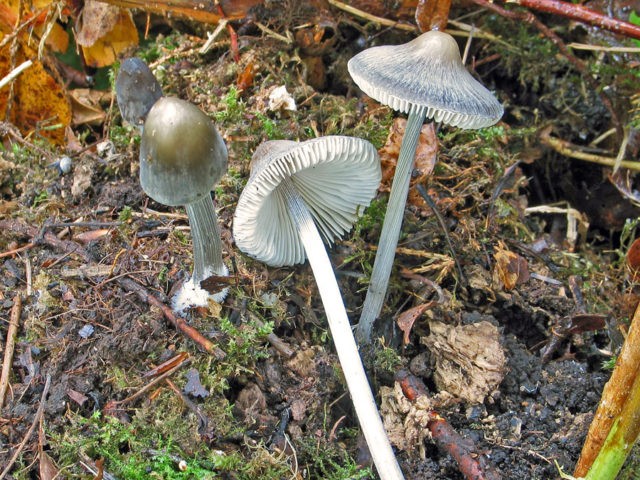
(614,396)
(9,347)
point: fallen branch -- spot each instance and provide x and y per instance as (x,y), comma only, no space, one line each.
(9,346)
(578,12)
(471,464)
(36,421)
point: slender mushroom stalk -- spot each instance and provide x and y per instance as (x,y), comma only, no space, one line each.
(292,187)
(181,157)
(426,79)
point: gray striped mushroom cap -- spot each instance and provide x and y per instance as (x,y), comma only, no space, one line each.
(426,71)
(336,176)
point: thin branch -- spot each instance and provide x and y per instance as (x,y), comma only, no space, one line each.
(9,347)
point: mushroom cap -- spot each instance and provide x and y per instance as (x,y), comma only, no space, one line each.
(428,72)
(136,90)
(336,176)
(182,155)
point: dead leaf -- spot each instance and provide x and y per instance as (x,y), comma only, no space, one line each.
(469,359)
(39,103)
(432,14)
(77,397)
(633,260)
(86,105)
(425,158)
(48,469)
(91,235)
(103,31)
(407,319)
(510,269)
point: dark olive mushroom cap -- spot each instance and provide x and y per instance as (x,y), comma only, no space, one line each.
(182,155)
(429,72)
(136,90)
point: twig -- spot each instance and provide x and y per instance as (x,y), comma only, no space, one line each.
(570,150)
(13,74)
(9,346)
(110,405)
(11,253)
(178,322)
(445,437)
(34,424)
(583,14)
(603,48)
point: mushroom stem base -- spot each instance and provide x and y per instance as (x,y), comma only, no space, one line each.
(355,376)
(205,235)
(391,227)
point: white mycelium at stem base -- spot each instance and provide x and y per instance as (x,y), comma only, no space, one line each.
(298,194)
(426,79)
(182,156)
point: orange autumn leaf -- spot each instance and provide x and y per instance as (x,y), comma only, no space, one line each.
(44,23)
(103,31)
(510,269)
(39,103)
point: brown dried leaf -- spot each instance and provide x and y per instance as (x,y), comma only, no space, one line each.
(86,106)
(425,158)
(407,319)
(470,361)
(103,32)
(48,469)
(432,14)
(77,397)
(91,235)
(510,269)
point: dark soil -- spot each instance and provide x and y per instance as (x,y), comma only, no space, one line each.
(283,411)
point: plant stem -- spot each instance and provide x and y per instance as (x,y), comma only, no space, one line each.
(621,438)
(391,226)
(205,235)
(615,395)
(355,376)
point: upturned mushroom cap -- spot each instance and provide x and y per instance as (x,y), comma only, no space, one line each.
(182,155)
(336,176)
(136,90)
(426,71)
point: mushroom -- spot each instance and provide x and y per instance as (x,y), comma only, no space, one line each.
(426,79)
(329,181)
(182,156)
(136,90)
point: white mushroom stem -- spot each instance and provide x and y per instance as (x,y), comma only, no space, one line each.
(205,235)
(391,226)
(357,383)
